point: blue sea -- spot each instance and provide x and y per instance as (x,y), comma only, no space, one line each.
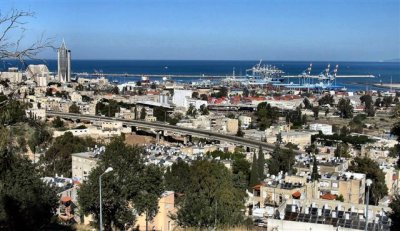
(385,72)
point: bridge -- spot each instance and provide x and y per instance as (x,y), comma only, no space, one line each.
(158,126)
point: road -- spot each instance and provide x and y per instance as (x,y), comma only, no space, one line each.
(171,128)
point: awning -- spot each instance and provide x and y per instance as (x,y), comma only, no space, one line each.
(257,187)
(328,196)
(296,195)
(66,199)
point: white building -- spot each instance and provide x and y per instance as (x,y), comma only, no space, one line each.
(12,74)
(179,98)
(326,129)
(39,73)
(83,163)
(245,121)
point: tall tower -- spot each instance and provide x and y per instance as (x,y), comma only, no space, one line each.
(64,64)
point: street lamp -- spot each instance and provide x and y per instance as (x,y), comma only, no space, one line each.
(109,169)
(368,182)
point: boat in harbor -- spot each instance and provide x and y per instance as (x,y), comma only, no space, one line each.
(259,74)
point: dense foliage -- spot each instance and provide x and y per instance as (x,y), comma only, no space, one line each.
(57,159)
(26,203)
(266,115)
(281,160)
(371,169)
(131,183)
(211,198)
(330,140)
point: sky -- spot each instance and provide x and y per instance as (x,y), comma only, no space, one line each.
(317,30)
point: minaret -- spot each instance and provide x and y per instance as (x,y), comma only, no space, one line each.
(64,63)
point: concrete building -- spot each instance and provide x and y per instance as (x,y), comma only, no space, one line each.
(326,129)
(83,163)
(64,64)
(350,185)
(39,73)
(162,221)
(245,121)
(35,113)
(12,74)
(179,98)
(295,137)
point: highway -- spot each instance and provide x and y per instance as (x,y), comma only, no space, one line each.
(171,128)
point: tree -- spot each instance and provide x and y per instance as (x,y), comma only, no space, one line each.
(204,97)
(345,108)
(246,92)
(281,160)
(261,164)
(387,101)
(266,115)
(395,130)
(395,213)
(204,110)
(195,95)
(132,183)
(307,103)
(160,113)
(74,109)
(176,177)
(378,102)
(314,174)
(26,203)
(371,169)
(342,150)
(316,112)
(11,24)
(192,111)
(254,173)
(366,99)
(57,159)
(326,99)
(211,199)
(58,123)
(12,111)
(143,113)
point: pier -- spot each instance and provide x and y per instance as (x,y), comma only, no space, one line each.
(205,76)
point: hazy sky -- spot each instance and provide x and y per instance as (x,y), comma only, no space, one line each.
(366,30)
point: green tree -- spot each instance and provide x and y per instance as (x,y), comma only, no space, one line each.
(387,101)
(204,97)
(345,108)
(57,159)
(192,111)
(58,123)
(254,173)
(378,102)
(281,160)
(74,109)
(315,112)
(211,199)
(26,203)
(132,183)
(307,103)
(143,113)
(204,110)
(314,174)
(195,95)
(395,213)
(176,177)
(371,169)
(326,99)
(342,150)
(266,115)
(12,111)
(261,164)
(160,113)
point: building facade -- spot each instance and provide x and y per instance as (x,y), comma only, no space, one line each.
(64,64)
